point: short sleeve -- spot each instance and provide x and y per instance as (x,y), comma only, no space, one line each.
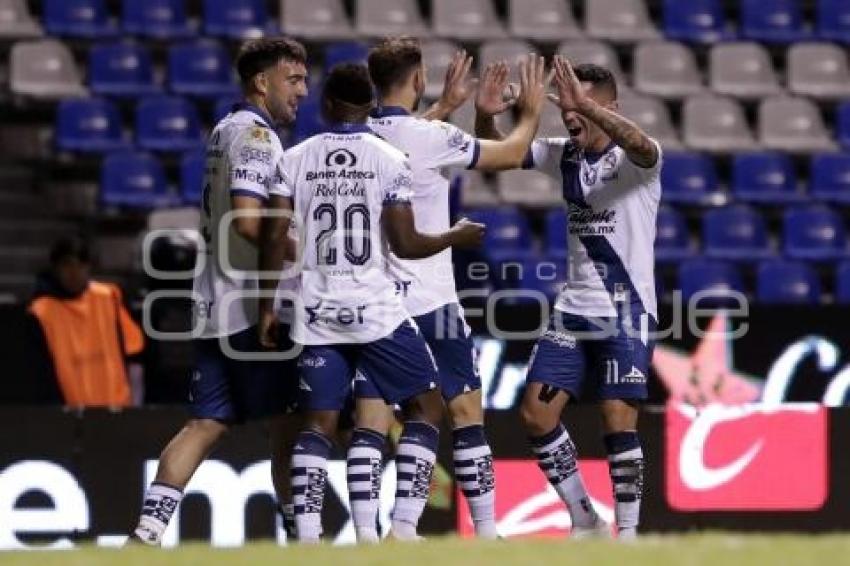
(444,145)
(281,183)
(253,159)
(396,182)
(545,155)
(646,174)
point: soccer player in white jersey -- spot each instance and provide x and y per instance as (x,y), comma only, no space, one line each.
(242,167)
(427,286)
(350,191)
(599,339)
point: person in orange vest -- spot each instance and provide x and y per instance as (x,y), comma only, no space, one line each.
(88,330)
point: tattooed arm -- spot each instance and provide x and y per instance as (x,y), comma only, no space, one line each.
(641,150)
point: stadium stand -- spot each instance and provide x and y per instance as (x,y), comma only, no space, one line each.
(750,99)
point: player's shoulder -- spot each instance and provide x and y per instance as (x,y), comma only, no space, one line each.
(245,128)
(380,145)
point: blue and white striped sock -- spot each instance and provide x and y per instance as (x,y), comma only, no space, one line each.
(625,464)
(309,478)
(557,458)
(417,452)
(364,467)
(473,461)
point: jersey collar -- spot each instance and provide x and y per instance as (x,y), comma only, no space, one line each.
(256,110)
(592,157)
(386,111)
(349,128)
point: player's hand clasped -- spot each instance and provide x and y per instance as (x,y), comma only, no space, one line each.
(467,234)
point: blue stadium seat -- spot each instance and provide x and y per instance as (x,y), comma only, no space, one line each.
(814,233)
(529,273)
(235,18)
(192,176)
(134,180)
(842,283)
(703,275)
(78,18)
(556,231)
(121,69)
(772,21)
(842,124)
(735,232)
(158,19)
(508,234)
(89,124)
(672,241)
(223,106)
(345,52)
(765,177)
(700,21)
(167,123)
(782,281)
(830,177)
(833,20)
(201,69)
(688,178)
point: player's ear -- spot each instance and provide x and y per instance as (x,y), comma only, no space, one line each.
(261,83)
(419,79)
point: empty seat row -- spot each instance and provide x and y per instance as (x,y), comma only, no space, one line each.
(162,123)
(758,177)
(138,180)
(469,20)
(735,233)
(740,233)
(46,69)
(778,281)
(770,21)
(741,69)
(718,124)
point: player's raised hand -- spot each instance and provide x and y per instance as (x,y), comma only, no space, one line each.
(268,328)
(493,96)
(458,87)
(467,234)
(571,95)
(532,84)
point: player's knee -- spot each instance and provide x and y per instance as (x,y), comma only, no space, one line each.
(426,407)
(465,410)
(536,420)
(208,429)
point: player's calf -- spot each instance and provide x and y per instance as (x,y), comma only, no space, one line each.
(555,451)
(415,458)
(177,463)
(625,464)
(473,461)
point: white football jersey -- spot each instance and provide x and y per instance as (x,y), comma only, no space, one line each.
(612,205)
(339,183)
(426,284)
(243,157)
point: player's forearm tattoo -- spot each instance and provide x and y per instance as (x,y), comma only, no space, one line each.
(625,133)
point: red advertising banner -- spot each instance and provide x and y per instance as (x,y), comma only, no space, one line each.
(527,505)
(746,457)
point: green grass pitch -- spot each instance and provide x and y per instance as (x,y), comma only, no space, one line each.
(714,549)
